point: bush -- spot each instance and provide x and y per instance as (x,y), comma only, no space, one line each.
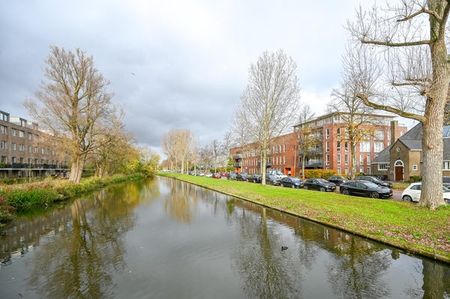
(319,173)
(415,178)
(22,199)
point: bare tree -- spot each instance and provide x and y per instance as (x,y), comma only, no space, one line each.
(356,116)
(270,100)
(72,103)
(414,32)
(307,140)
(179,145)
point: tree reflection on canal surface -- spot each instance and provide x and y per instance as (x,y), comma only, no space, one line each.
(168,239)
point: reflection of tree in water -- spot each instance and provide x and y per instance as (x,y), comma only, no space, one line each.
(265,271)
(357,269)
(79,262)
(180,203)
(435,283)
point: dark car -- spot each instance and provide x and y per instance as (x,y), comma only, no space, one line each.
(446,181)
(256,178)
(291,182)
(272,180)
(365,188)
(319,184)
(374,180)
(337,179)
(242,176)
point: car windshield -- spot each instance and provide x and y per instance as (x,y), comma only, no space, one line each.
(322,181)
(445,189)
(295,180)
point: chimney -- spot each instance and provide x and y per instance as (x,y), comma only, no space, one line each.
(394,125)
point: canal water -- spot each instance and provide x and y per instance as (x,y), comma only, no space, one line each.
(168,239)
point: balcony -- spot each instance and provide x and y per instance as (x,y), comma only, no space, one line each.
(237,157)
(31,166)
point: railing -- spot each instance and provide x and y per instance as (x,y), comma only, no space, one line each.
(31,166)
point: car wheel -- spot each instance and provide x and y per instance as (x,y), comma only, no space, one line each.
(407,198)
(322,189)
(346,192)
(374,195)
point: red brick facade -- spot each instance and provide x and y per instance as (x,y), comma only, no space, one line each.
(282,156)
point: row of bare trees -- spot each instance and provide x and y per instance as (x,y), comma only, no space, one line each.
(185,153)
(75,107)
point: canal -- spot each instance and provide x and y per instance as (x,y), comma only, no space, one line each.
(168,239)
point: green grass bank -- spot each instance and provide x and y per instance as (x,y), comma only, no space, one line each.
(37,195)
(400,224)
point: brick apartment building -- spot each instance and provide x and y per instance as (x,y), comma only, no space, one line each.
(334,150)
(282,156)
(27,151)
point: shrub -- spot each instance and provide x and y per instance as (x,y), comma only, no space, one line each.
(319,173)
(22,199)
(415,178)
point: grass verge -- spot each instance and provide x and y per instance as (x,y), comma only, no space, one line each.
(38,195)
(400,224)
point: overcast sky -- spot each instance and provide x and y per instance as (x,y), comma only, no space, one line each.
(174,64)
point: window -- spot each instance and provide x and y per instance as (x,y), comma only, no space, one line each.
(364,147)
(13,132)
(30,149)
(3,144)
(383,166)
(13,160)
(379,146)
(327,159)
(14,147)
(30,136)
(4,159)
(21,148)
(338,159)
(4,116)
(327,146)
(338,133)
(284,160)
(379,135)
(284,147)
(338,146)
(446,165)
(414,167)
(416,187)
(346,146)
(346,159)
(21,134)
(4,130)
(327,133)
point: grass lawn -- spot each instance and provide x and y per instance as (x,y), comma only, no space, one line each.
(401,224)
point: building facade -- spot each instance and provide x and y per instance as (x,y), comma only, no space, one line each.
(403,159)
(27,151)
(333,150)
(282,156)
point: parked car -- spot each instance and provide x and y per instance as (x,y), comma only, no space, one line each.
(365,188)
(256,178)
(446,181)
(412,193)
(374,180)
(232,176)
(291,182)
(209,175)
(319,184)
(337,179)
(272,180)
(242,176)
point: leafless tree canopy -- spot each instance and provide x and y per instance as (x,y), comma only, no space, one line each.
(270,101)
(179,146)
(73,103)
(409,36)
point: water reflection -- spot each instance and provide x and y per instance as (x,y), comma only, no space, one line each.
(148,239)
(87,244)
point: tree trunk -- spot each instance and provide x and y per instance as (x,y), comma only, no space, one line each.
(353,159)
(76,169)
(303,165)
(263,166)
(432,144)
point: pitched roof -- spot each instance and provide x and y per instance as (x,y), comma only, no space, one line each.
(413,141)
